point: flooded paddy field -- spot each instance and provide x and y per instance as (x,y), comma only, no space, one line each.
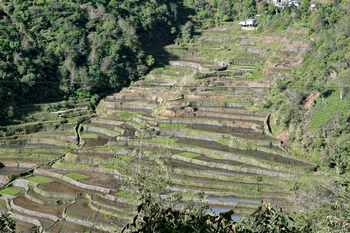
(99,141)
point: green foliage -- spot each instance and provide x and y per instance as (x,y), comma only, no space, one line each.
(153,217)
(122,194)
(59,49)
(319,142)
(166,140)
(149,60)
(127,115)
(141,101)
(318,119)
(40,179)
(7,224)
(76,176)
(189,154)
(10,191)
(89,135)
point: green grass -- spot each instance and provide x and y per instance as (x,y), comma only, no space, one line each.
(141,101)
(10,191)
(318,119)
(128,115)
(40,179)
(189,154)
(236,101)
(0,205)
(209,66)
(327,110)
(30,147)
(168,140)
(89,135)
(189,195)
(173,125)
(122,194)
(76,176)
(224,141)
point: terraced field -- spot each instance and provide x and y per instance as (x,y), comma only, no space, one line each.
(197,124)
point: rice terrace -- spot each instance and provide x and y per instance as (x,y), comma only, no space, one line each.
(113,107)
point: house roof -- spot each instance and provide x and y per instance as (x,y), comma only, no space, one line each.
(250,19)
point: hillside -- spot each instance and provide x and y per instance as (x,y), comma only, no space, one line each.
(221,116)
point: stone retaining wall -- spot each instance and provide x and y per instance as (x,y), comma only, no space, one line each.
(235,124)
(33,213)
(36,141)
(195,66)
(225,155)
(47,202)
(106,121)
(107,132)
(126,97)
(233,111)
(234,168)
(33,221)
(4,179)
(22,165)
(56,195)
(23,183)
(89,224)
(138,106)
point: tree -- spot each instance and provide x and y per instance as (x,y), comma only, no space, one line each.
(7,224)
(155,217)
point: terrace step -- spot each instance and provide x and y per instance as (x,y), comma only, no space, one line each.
(37,221)
(82,210)
(65,226)
(32,195)
(25,206)
(192,122)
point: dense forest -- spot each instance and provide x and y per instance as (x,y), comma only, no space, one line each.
(62,49)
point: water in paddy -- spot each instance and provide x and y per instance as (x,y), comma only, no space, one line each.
(129,131)
(251,153)
(82,210)
(92,178)
(55,210)
(58,186)
(12,170)
(237,132)
(101,140)
(24,227)
(33,146)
